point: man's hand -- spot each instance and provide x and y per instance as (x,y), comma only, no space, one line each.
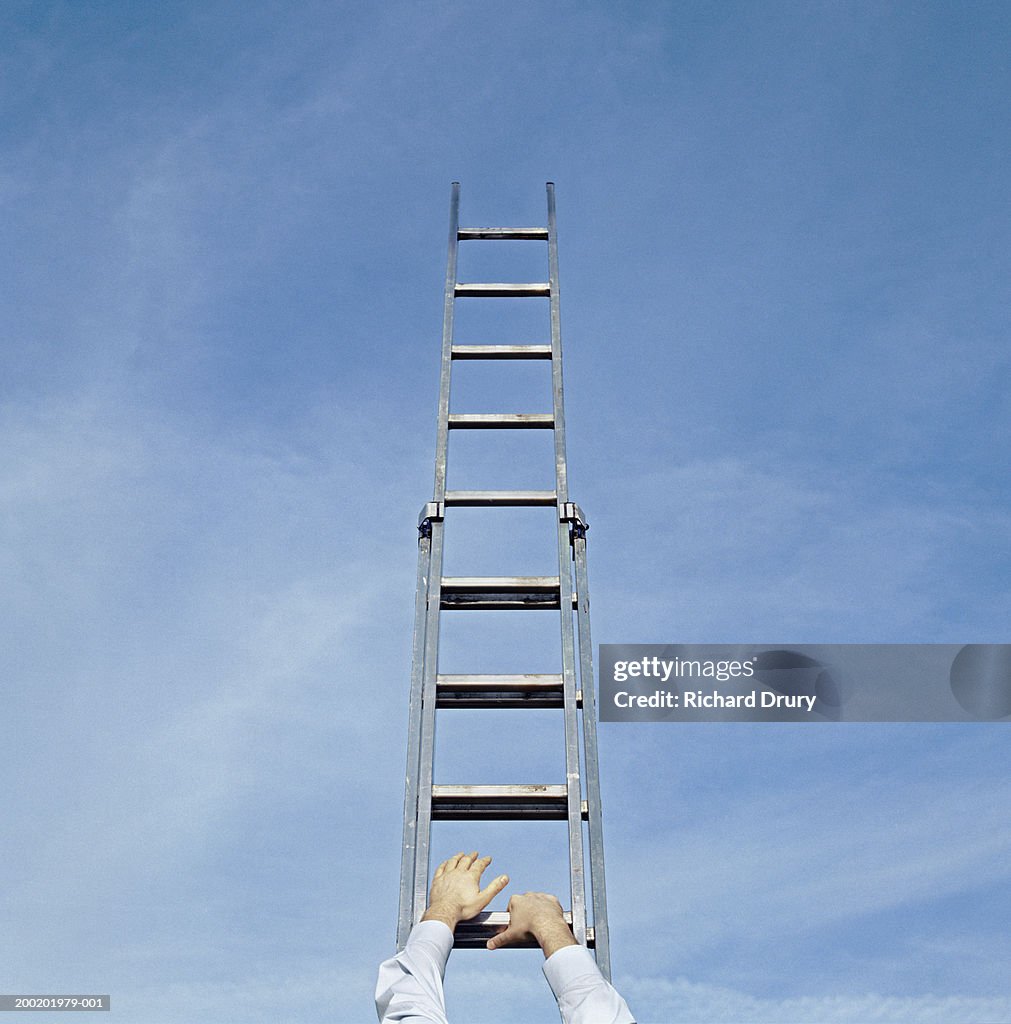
(456,893)
(536,915)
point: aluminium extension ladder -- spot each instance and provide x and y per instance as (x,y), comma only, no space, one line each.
(577,799)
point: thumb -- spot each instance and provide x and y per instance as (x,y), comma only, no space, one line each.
(490,891)
(504,937)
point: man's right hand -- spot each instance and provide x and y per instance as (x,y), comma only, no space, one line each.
(535,915)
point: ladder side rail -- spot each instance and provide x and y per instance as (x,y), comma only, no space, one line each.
(448,309)
(595,827)
(407,912)
(429,686)
(572,776)
(561,473)
(426,755)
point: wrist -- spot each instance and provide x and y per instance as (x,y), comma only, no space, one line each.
(553,935)
(448,914)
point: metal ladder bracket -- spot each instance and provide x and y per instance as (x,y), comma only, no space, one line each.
(570,512)
(432,510)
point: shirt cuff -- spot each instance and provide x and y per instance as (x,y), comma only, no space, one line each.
(567,963)
(437,937)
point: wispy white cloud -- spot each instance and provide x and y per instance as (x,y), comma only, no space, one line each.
(795,550)
(657,1000)
(812,854)
(195,630)
(750,860)
(310,991)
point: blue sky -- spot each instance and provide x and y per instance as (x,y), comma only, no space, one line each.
(783,240)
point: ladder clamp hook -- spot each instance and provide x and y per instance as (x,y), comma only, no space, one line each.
(570,512)
(431,511)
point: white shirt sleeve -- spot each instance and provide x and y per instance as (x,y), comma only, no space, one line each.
(409,987)
(583,996)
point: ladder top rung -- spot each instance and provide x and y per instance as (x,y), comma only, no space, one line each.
(502,290)
(502,420)
(501,352)
(537,234)
(481,499)
(501,584)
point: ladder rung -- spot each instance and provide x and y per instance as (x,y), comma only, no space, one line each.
(473,934)
(501,593)
(502,421)
(501,351)
(499,803)
(488,691)
(537,234)
(499,290)
(484,499)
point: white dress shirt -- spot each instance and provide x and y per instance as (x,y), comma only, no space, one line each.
(409,988)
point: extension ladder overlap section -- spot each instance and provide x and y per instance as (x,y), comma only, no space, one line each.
(576,799)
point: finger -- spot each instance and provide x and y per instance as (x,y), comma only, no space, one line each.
(453,861)
(480,866)
(467,862)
